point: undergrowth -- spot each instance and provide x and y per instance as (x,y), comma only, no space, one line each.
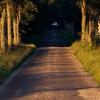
(89,57)
(11,60)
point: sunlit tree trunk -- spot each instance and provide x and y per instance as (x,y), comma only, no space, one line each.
(90,32)
(9,25)
(17,22)
(18,36)
(90,36)
(15,32)
(83,23)
(2,26)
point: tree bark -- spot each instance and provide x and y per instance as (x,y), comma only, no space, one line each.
(9,25)
(18,36)
(15,32)
(83,23)
(2,34)
(90,31)
(18,21)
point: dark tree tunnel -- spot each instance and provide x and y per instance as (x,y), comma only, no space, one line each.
(62,11)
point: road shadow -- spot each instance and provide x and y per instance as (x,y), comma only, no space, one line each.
(42,75)
(31,84)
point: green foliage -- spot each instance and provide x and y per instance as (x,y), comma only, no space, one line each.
(28,10)
(89,57)
(2,5)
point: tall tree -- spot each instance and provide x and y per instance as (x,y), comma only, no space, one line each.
(22,9)
(94,13)
(8,3)
(16,21)
(83,23)
(2,25)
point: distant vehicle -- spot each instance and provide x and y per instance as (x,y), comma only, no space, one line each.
(55,24)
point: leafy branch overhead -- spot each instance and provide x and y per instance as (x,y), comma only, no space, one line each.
(17,11)
(28,10)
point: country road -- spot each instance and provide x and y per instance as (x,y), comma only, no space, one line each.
(52,73)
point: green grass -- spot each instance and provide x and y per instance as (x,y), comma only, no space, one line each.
(11,60)
(89,57)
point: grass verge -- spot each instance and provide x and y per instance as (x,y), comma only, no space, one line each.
(90,58)
(12,59)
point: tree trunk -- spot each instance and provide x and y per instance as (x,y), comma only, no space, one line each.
(83,23)
(18,36)
(90,31)
(15,32)
(18,21)
(2,26)
(9,25)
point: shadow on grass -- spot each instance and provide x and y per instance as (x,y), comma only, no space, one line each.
(12,59)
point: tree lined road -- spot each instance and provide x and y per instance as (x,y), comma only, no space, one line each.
(52,73)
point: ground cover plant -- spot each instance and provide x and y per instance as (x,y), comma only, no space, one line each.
(12,59)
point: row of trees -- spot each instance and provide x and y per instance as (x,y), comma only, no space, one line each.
(90,13)
(11,13)
(90,10)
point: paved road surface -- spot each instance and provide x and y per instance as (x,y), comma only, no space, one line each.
(52,73)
